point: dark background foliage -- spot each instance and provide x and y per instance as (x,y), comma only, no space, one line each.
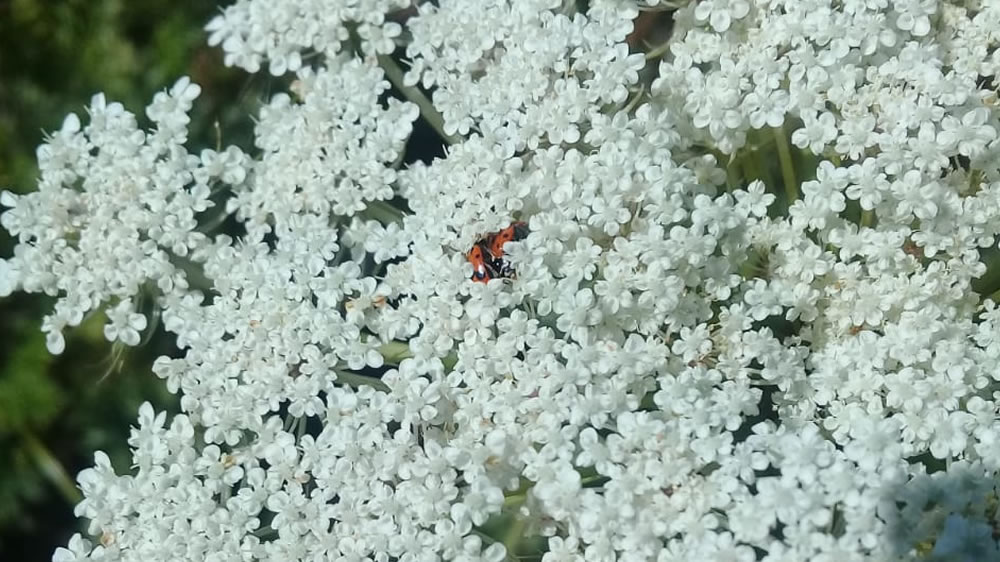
(56,411)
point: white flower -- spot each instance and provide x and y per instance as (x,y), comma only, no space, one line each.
(766,107)
(124,324)
(970,134)
(816,133)
(171,108)
(251,31)
(692,343)
(914,16)
(720,13)
(78,551)
(576,312)
(506,70)
(89,240)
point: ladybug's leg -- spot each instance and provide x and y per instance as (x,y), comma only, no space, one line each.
(507,271)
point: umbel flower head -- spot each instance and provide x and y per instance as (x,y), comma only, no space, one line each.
(746,320)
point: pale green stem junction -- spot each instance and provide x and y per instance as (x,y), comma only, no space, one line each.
(659,50)
(354,381)
(383,212)
(514,534)
(867,217)
(394,352)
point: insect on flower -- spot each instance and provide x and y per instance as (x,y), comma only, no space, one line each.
(486,255)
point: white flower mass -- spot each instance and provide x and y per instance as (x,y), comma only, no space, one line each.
(743,325)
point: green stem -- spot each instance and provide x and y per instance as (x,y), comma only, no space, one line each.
(265,533)
(514,533)
(53,470)
(383,212)
(867,216)
(659,51)
(413,94)
(300,430)
(588,480)
(751,170)
(975,180)
(731,165)
(787,168)
(514,500)
(394,352)
(633,102)
(732,177)
(214,222)
(354,381)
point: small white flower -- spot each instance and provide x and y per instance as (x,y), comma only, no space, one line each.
(914,16)
(816,133)
(721,13)
(970,134)
(124,324)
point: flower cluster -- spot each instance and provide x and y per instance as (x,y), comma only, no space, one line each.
(116,209)
(521,73)
(746,322)
(251,32)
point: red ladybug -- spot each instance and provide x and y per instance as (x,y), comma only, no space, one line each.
(482,269)
(516,231)
(486,256)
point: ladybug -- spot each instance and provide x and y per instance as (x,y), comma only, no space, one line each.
(482,267)
(486,256)
(516,231)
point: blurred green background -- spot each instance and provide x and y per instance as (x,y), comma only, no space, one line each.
(56,411)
